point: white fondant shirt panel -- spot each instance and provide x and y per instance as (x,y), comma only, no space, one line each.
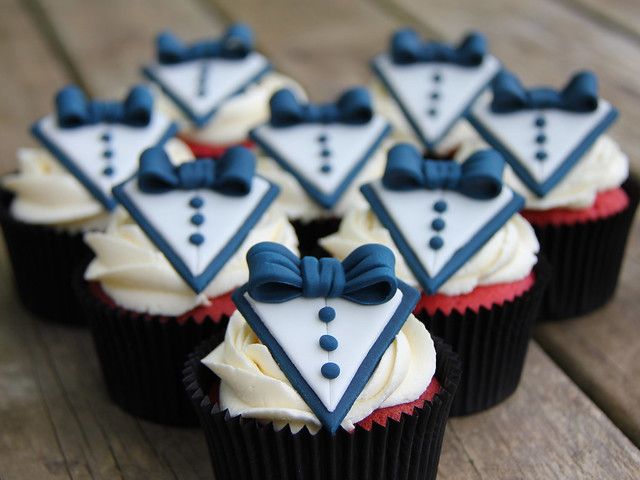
(221,80)
(564,131)
(84,146)
(170,213)
(458,86)
(413,214)
(296,327)
(298,145)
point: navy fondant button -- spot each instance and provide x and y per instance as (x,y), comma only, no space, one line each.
(541,138)
(322,138)
(105,137)
(540,122)
(432,112)
(196,238)
(108,171)
(325,152)
(440,206)
(436,77)
(438,224)
(435,95)
(326,314)
(330,370)
(541,154)
(107,153)
(325,168)
(197,219)
(328,343)
(196,202)
(436,242)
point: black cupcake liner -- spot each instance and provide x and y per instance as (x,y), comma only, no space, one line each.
(309,232)
(43,260)
(245,449)
(142,356)
(586,259)
(492,345)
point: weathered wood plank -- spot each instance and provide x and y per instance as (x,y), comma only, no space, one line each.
(619,15)
(30,73)
(544,40)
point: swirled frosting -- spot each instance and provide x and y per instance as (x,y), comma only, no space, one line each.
(508,256)
(252,384)
(297,205)
(137,276)
(236,116)
(402,132)
(47,194)
(603,167)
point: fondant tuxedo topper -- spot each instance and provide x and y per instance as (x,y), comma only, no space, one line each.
(434,83)
(99,141)
(327,323)
(199,77)
(465,205)
(197,213)
(542,132)
(323,146)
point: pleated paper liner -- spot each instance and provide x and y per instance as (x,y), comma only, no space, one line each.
(245,449)
(43,260)
(492,344)
(310,231)
(586,259)
(142,356)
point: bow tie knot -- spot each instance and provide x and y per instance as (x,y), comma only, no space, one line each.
(407,48)
(231,175)
(352,107)
(235,43)
(75,110)
(479,177)
(580,95)
(366,276)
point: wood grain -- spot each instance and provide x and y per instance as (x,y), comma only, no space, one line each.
(546,40)
(618,15)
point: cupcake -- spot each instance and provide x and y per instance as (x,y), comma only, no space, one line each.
(215,110)
(426,88)
(574,178)
(323,372)
(163,271)
(457,236)
(320,155)
(59,192)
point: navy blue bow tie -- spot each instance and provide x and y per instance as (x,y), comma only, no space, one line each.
(407,47)
(366,276)
(231,174)
(352,107)
(480,176)
(75,110)
(580,94)
(235,43)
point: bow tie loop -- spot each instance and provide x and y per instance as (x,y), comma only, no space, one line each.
(231,175)
(580,95)
(75,110)
(366,276)
(479,177)
(236,43)
(352,107)
(407,48)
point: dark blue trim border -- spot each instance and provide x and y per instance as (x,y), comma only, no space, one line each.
(324,200)
(331,420)
(201,120)
(108,202)
(541,189)
(429,145)
(428,283)
(197,283)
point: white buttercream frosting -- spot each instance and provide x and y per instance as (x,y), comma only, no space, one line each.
(298,205)
(402,132)
(252,384)
(236,116)
(508,256)
(603,167)
(46,193)
(137,276)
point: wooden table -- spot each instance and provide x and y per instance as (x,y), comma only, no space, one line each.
(577,411)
